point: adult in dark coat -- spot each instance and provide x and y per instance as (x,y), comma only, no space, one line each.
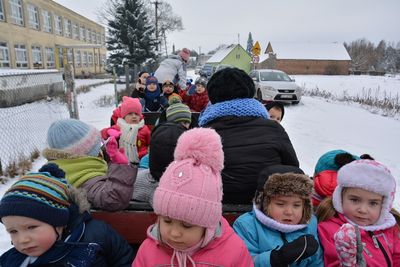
(250,140)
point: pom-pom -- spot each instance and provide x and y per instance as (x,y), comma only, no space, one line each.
(203,145)
(53,169)
(343,158)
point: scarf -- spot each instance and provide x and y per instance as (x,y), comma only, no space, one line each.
(128,139)
(239,107)
(79,170)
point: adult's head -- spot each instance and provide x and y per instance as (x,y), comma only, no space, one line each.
(228,84)
(185,54)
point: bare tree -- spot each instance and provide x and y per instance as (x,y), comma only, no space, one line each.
(362,53)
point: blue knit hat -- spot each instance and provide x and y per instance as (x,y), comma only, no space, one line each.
(151,79)
(40,196)
(75,137)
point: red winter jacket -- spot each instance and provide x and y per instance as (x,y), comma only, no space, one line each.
(196,102)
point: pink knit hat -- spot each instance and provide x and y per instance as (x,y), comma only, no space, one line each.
(185,54)
(129,105)
(190,189)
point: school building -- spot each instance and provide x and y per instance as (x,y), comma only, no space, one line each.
(35,34)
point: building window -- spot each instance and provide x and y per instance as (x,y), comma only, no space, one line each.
(36,56)
(50,58)
(58,24)
(98,39)
(67,28)
(21,56)
(84,59)
(70,56)
(60,58)
(82,32)
(93,37)
(78,63)
(88,36)
(90,59)
(47,21)
(33,17)
(103,39)
(4,57)
(75,31)
(1,10)
(16,12)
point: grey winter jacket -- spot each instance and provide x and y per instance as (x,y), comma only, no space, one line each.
(172,69)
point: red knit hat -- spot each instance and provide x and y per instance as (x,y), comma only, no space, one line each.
(129,105)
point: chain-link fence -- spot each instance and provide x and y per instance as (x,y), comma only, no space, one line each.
(28,106)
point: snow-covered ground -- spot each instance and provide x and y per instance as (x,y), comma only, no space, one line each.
(315,125)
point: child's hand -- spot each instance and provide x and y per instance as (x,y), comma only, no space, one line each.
(116,155)
(348,245)
(191,90)
(301,248)
(113,132)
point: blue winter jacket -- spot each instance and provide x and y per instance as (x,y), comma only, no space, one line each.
(261,240)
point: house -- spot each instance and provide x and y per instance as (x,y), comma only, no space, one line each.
(306,58)
(234,55)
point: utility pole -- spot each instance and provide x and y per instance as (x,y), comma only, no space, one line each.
(156,3)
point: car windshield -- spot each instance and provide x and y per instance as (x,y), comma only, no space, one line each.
(207,67)
(274,76)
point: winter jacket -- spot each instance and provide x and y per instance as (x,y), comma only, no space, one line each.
(196,102)
(172,69)
(109,186)
(154,101)
(84,234)
(261,239)
(226,249)
(250,144)
(389,239)
(162,147)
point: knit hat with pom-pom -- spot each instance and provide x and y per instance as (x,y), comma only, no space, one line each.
(190,189)
(130,105)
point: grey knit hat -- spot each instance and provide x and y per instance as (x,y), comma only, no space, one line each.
(178,112)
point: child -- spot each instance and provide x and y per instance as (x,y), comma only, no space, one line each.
(363,231)
(153,100)
(134,135)
(281,230)
(76,147)
(198,101)
(138,91)
(50,225)
(168,89)
(276,110)
(190,228)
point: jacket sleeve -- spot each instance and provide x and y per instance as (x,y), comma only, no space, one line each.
(396,246)
(260,258)
(325,233)
(112,191)
(182,76)
(140,259)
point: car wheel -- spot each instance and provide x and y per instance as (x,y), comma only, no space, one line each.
(259,95)
(295,102)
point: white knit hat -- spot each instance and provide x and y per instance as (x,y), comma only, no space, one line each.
(372,176)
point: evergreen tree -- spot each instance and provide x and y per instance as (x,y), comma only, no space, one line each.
(130,34)
(250,44)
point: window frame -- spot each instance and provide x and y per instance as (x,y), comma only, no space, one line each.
(58,24)
(2,13)
(67,28)
(16,6)
(34,51)
(50,64)
(33,13)
(21,64)
(47,21)
(4,51)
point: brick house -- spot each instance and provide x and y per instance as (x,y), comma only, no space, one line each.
(306,58)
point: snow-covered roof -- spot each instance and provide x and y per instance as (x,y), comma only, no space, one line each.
(221,54)
(316,51)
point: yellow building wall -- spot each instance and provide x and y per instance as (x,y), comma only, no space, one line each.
(16,34)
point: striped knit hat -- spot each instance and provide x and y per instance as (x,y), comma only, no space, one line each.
(178,112)
(40,196)
(74,137)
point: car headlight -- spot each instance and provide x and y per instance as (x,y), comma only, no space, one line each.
(269,88)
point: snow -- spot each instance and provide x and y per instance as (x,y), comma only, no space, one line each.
(315,126)
(5,72)
(221,54)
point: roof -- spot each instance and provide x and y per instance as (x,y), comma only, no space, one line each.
(313,51)
(221,54)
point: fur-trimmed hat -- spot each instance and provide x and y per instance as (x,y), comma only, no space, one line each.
(288,184)
(228,84)
(43,196)
(130,105)
(167,83)
(372,176)
(190,189)
(74,137)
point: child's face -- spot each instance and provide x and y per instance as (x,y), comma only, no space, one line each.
(168,89)
(361,207)
(29,236)
(179,234)
(275,114)
(200,88)
(152,87)
(286,209)
(132,118)
(143,77)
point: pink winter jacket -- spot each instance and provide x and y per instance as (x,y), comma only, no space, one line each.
(374,257)
(228,250)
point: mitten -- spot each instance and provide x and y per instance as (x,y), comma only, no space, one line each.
(116,155)
(191,90)
(348,248)
(299,249)
(112,132)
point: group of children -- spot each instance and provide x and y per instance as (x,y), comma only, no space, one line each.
(342,216)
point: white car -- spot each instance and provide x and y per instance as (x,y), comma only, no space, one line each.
(275,85)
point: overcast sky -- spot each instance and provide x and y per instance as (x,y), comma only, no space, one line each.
(209,23)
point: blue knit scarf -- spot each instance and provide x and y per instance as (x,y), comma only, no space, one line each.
(240,107)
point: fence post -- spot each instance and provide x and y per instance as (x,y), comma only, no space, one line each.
(126,67)
(115,87)
(71,91)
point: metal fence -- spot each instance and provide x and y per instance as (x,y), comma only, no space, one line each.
(28,106)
